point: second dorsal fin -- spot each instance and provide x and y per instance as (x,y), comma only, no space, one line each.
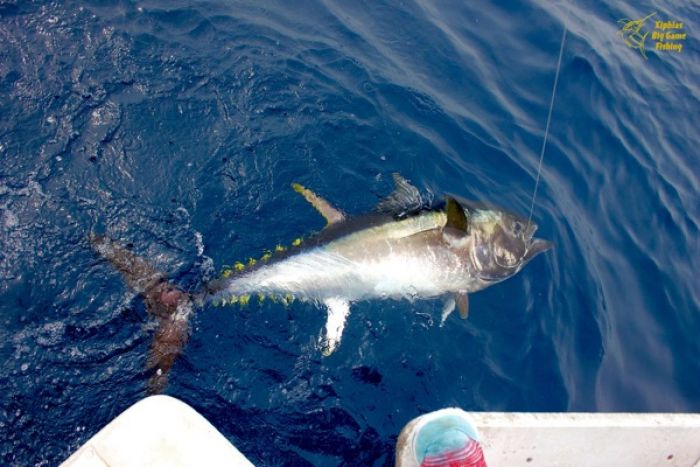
(331,214)
(404,199)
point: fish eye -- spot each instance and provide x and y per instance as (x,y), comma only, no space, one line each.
(518,227)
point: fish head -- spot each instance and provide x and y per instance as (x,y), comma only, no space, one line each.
(502,243)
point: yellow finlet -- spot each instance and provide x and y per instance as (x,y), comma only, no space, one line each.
(280,248)
(261,297)
(251,262)
(226,273)
(287,299)
(266,257)
(239,266)
(244,299)
(296,242)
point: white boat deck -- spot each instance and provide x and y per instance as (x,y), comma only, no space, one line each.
(158,431)
(589,439)
(163,431)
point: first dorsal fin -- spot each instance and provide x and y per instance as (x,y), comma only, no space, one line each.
(404,199)
(331,214)
(456,218)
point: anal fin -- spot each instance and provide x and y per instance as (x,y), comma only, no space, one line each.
(338,311)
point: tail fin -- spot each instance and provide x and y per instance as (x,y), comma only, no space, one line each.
(169,304)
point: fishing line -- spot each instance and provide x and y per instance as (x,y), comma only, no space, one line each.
(546,129)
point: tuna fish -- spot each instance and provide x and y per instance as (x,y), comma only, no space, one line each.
(407,248)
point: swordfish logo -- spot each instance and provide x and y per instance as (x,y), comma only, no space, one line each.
(634,33)
(666,36)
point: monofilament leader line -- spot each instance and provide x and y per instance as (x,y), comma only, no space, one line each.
(546,129)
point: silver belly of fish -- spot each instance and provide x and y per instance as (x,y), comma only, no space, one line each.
(402,259)
(324,272)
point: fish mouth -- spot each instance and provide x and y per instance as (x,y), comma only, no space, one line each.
(492,279)
(537,246)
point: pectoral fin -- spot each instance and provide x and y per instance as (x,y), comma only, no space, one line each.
(456,229)
(338,311)
(462,301)
(459,301)
(447,310)
(331,214)
(456,217)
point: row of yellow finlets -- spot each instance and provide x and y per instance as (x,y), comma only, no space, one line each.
(245,299)
(239,267)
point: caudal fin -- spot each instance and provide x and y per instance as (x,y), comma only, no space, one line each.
(169,304)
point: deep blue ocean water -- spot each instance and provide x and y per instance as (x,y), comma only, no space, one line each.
(178,127)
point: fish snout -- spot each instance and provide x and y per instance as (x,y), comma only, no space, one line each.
(536,247)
